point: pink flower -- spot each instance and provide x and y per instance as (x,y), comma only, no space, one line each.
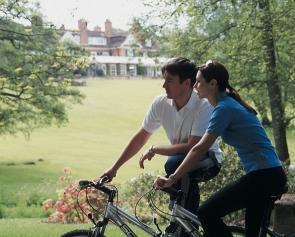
(67,170)
(47,204)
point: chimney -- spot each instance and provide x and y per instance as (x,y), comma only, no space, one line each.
(97,28)
(82,24)
(108,28)
(62,28)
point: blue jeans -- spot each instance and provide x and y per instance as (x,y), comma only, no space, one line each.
(192,197)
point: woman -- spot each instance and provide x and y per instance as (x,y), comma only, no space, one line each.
(236,122)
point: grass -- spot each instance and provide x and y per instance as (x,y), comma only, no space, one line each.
(94,137)
(36,228)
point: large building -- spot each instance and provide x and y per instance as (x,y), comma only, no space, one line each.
(115,52)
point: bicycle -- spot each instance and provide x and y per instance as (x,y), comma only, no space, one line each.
(179,217)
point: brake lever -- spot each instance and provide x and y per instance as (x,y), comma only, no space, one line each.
(103,180)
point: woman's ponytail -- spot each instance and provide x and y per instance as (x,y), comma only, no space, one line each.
(235,95)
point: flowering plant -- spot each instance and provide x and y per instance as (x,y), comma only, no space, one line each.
(71,207)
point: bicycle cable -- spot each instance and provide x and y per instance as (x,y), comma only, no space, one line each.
(157,210)
(135,214)
(85,214)
(117,195)
(153,206)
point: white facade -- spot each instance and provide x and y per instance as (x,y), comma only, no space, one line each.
(128,66)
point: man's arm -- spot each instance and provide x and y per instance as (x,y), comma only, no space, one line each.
(134,145)
(184,148)
(168,150)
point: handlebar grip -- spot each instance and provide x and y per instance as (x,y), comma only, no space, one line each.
(103,180)
(172,191)
(85,183)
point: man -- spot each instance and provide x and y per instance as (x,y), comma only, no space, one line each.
(184,117)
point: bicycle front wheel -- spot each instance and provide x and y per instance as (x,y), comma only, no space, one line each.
(78,233)
(237,231)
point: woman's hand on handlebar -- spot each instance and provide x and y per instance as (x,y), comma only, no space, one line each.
(163,182)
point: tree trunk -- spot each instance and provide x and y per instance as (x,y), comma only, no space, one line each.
(274,90)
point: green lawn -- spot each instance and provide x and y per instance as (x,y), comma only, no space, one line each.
(37,228)
(94,137)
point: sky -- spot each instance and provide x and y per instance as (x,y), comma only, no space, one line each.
(68,12)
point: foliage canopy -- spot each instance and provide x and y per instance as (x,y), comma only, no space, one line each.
(34,67)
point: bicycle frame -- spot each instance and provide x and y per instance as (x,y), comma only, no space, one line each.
(117,215)
(180,217)
(186,219)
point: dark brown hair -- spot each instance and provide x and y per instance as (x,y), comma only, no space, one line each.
(182,67)
(215,70)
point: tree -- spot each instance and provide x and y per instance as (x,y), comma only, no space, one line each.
(34,67)
(254,39)
(140,33)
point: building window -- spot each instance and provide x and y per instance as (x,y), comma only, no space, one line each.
(123,69)
(113,70)
(132,70)
(150,72)
(97,41)
(129,52)
(104,69)
(105,53)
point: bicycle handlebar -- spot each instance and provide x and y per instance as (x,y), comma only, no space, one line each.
(84,184)
(175,194)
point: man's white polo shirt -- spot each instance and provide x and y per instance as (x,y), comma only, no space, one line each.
(191,120)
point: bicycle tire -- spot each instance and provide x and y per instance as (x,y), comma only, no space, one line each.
(237,231)
(78,233)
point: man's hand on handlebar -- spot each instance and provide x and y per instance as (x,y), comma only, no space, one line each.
(110,173)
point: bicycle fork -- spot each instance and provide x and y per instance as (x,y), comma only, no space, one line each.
(182,218)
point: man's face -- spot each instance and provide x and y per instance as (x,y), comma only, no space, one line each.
(174,89)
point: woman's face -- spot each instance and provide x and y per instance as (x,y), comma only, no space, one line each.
(202,86)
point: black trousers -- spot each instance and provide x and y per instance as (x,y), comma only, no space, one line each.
(252,192)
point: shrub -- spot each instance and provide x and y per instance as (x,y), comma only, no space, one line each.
(290,172)
(67,208)
(64,208)
(135,189)
(1,212)
(35,199)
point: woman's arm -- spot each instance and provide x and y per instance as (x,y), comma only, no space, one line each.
(195,154)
